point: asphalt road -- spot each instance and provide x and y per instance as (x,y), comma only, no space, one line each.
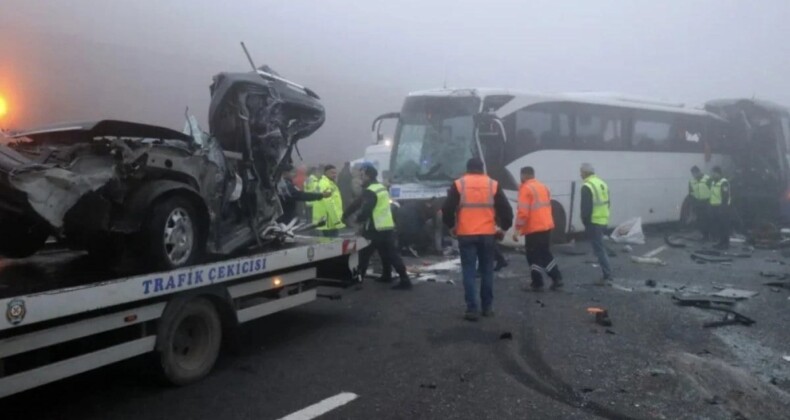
(410,355)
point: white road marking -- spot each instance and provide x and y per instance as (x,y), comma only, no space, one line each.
(322,407)
(655,252)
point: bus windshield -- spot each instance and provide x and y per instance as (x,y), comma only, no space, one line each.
(434,139)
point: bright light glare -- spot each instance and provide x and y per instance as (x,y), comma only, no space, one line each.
(388,142)
(3,107)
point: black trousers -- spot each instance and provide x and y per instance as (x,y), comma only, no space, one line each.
(720,225)
(384,243)
(539,257)
(702,211)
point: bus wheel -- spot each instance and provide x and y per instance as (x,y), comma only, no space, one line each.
(558,235)
(188,341)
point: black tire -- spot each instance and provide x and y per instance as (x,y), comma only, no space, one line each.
(160,255)
(559,234)
(189,338)
(21,239)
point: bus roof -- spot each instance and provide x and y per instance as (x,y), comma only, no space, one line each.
(522,99)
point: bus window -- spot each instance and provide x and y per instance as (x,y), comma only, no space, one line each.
(688,135)
(543,126)
(652,131)
(598,128)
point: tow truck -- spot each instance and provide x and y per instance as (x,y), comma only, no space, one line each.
(62,318)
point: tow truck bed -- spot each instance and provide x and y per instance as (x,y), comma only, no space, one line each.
(53,300)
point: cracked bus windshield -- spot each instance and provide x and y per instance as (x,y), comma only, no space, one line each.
(435,139)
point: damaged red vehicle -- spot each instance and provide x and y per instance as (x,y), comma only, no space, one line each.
(160,198)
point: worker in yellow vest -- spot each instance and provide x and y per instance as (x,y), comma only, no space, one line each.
(376,214)
(330,209)
(720,201)
(595,216)
(699,192)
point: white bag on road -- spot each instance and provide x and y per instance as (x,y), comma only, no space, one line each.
(629,232)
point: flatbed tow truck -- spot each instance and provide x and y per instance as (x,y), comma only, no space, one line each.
(62,317)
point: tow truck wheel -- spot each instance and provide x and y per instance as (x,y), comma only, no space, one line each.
(188,341)
(172,234)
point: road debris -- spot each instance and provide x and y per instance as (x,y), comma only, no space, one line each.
(673,242)
(782,284)
(730,318)
(650,283)
(428,386)
(655,252)
(715,303)
(540,302)
(703,300)
(629,232)
(627,249)
(736,293)
(771,274)
(601,316)
(647,260)
(786,358)
(705,257)
(506,336)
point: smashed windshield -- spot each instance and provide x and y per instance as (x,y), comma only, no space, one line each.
(435,138)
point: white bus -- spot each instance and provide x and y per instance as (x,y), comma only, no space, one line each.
(642,148)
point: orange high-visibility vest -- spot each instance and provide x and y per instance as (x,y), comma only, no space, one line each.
(534,208)
(476,215)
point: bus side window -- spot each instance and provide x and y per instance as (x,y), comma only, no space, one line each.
(599,128)
(652,131)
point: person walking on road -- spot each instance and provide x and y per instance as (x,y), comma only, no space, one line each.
(376,213)
(699,191)
(329,209)
(595,216)
(535,222)
(720,201)
(474,205)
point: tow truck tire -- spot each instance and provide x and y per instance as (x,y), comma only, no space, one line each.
(188,341)
(175,214)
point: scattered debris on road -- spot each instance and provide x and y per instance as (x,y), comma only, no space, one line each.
(781,284)
(707,258)
(428,386)
(648,260)
(601,316)
(736,293)
(506,336)
(650,283)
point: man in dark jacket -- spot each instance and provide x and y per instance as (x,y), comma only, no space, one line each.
(595,216)
(290,195)
(375,213)
(474,221)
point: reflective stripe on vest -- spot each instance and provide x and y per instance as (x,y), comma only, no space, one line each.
(476,215)
(700,189)
(600,196)
(382,213)
(715,193)
(534,208)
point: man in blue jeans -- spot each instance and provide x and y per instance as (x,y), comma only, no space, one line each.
(473,206)
(595,216)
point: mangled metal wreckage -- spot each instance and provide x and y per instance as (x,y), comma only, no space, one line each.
(119,188)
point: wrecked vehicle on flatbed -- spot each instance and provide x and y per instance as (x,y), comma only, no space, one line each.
(166,198)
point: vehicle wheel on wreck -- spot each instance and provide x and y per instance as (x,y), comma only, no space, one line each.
(172,235)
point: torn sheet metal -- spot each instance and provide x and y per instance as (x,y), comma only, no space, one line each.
(53,191)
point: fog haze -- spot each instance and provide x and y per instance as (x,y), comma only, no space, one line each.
(147,60)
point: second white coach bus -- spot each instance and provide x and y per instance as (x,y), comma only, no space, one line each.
(642,148)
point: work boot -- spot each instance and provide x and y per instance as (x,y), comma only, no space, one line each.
(488,313)
(536,287)
(402,285)
(500,265)
(604,281)
(471,315)
(556,284)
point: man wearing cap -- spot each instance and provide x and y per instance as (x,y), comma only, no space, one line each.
(595,216)
(290,195)
(375,212)
(474,206)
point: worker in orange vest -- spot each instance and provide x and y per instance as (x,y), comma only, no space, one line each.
(535,222)
(474,205)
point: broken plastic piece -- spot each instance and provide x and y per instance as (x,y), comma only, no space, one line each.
(648,260)
(601,316)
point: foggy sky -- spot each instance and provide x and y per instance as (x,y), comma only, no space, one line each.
(147,60)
